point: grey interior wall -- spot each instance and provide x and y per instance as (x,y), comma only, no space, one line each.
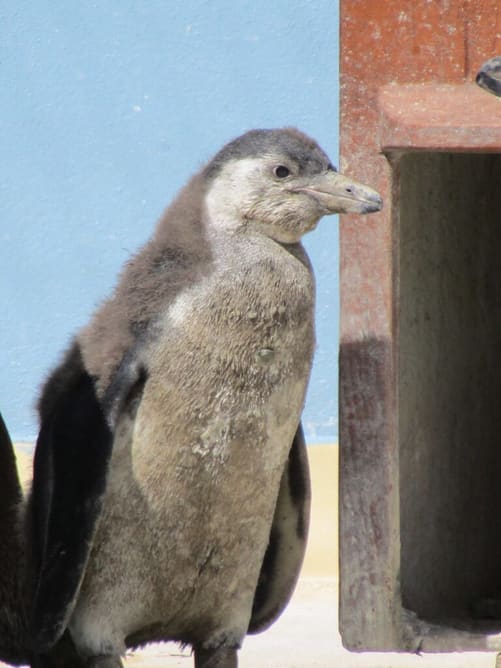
(449,380)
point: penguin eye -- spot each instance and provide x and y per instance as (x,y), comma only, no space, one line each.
(281,171)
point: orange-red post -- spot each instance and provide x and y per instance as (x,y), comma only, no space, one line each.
(408,95)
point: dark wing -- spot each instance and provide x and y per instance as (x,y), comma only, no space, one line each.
(10,489)
(13,639)
(69,479)
(287,544)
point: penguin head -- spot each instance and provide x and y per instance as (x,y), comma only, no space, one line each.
(279,183)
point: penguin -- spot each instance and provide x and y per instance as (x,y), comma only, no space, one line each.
(13,595)
(170,494)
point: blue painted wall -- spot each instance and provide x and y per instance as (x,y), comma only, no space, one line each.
(107,108)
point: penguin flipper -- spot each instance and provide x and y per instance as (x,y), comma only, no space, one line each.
(289,531)
(14,646)
(10,487)
(70,469)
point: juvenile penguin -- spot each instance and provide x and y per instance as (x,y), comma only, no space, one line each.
(171,492)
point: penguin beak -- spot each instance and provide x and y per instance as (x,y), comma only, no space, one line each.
(335,193)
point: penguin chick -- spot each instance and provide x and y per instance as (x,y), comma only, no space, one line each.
(171,494)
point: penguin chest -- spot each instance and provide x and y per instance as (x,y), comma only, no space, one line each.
(227,380)
(212,438)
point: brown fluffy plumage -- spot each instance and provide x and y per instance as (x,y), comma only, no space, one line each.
(170,496)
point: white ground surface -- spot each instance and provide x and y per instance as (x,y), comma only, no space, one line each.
(306,636)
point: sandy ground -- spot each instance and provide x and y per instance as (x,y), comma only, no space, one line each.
(306,635)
